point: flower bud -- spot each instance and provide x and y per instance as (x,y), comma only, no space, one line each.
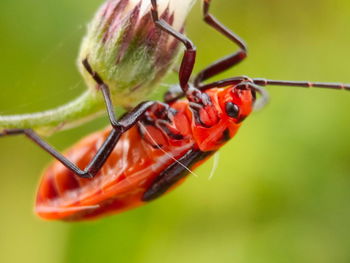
(126,49)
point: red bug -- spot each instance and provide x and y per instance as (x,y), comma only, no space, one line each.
(151,149)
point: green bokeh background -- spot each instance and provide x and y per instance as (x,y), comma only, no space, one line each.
(282,189)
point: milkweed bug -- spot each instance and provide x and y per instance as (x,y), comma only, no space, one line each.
(153,147)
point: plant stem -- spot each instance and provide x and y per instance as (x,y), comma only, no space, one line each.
(83,108)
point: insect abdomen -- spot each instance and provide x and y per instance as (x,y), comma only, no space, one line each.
(119,186)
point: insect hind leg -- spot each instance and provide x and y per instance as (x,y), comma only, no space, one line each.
(30,134)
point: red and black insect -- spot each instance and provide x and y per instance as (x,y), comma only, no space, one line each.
(150,149)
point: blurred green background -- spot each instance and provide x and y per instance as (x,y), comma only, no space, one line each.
(281,191)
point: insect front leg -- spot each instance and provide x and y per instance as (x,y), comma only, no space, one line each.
(226,62)
(189,57)
(106,94)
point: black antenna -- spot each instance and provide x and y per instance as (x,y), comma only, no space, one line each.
(302,84)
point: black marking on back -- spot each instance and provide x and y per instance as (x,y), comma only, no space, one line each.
(173,173)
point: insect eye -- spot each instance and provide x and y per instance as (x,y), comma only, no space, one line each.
(232,109)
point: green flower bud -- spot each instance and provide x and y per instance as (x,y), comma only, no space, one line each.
(127,50)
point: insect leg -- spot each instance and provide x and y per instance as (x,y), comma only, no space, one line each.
(106,94)
(189,57)
(226,62)
(133,116)
(119,126)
